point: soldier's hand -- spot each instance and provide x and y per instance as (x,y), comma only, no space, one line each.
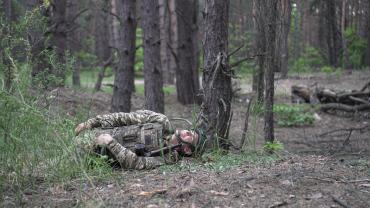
(103,140)
(80,127)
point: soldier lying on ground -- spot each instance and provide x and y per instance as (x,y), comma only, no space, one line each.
(131,138)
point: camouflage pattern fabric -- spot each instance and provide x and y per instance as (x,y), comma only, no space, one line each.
(127,119)
(129,160)
(121,152)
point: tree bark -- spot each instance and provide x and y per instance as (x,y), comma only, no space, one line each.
(102,37)
(331,31)
(154,97)
(216,74)
(172,44)
(124,78)
(367,32)
(165,29)
(58,28)
(186,90)
(270,28)
(41,67)
(74,39)
(196,54)
(260,46)
(346,63)
(285,10)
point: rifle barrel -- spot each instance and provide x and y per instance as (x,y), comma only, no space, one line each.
(165,150)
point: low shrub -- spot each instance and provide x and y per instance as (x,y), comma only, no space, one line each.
(288,115)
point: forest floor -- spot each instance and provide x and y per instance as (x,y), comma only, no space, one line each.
(314,170)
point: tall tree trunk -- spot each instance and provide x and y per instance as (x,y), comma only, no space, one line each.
(346,63)
(74,39)
(196,50)
(165,28)
(333,34)
(297,27)
(123,82)
(102,37)
(172,44)
(41,66)
(285,11)
(367,32)
(58,27)
(154,97)
(216,74)
(186,91)
(260,46)
(270,28)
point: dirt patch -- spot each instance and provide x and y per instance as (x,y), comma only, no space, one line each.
(310,181)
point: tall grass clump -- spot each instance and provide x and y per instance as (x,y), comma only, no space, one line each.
(37,144)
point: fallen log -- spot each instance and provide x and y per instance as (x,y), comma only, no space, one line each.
(348,100)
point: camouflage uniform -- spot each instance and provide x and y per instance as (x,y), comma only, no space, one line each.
(127,129)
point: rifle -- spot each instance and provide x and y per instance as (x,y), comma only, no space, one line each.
(140,150)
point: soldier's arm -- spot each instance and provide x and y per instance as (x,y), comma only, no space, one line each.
(129,160)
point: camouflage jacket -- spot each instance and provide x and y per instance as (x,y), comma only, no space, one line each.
(128,129)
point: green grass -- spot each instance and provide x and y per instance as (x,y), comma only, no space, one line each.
(220,161)
(293,115)
(88,80)
(36,144)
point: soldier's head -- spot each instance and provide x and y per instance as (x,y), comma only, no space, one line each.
(188,139)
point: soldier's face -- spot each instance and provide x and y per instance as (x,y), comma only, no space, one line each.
(187,136)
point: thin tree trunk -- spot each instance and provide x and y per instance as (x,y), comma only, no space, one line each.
(216,74)
(58,27)
(102,37)
(346,64)
(261,49)
(124,78)
(165,29)
(74,38)
(154,97)
(186,91)
(285,15)
(333,34)
(41,67)
(196,50)
(367,32)
(172,45)
(271,17)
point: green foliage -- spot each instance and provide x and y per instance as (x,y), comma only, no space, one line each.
(273,147)
(257,109)
(310,60)
(219,161)
(35,144)
(139,55)
(356,47)
(167,90)
(297,115)
(88,61)
(327,69)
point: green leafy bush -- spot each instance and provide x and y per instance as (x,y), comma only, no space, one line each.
(356,47)
(289,116)
(310,60)
(273,147)
(327,69)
